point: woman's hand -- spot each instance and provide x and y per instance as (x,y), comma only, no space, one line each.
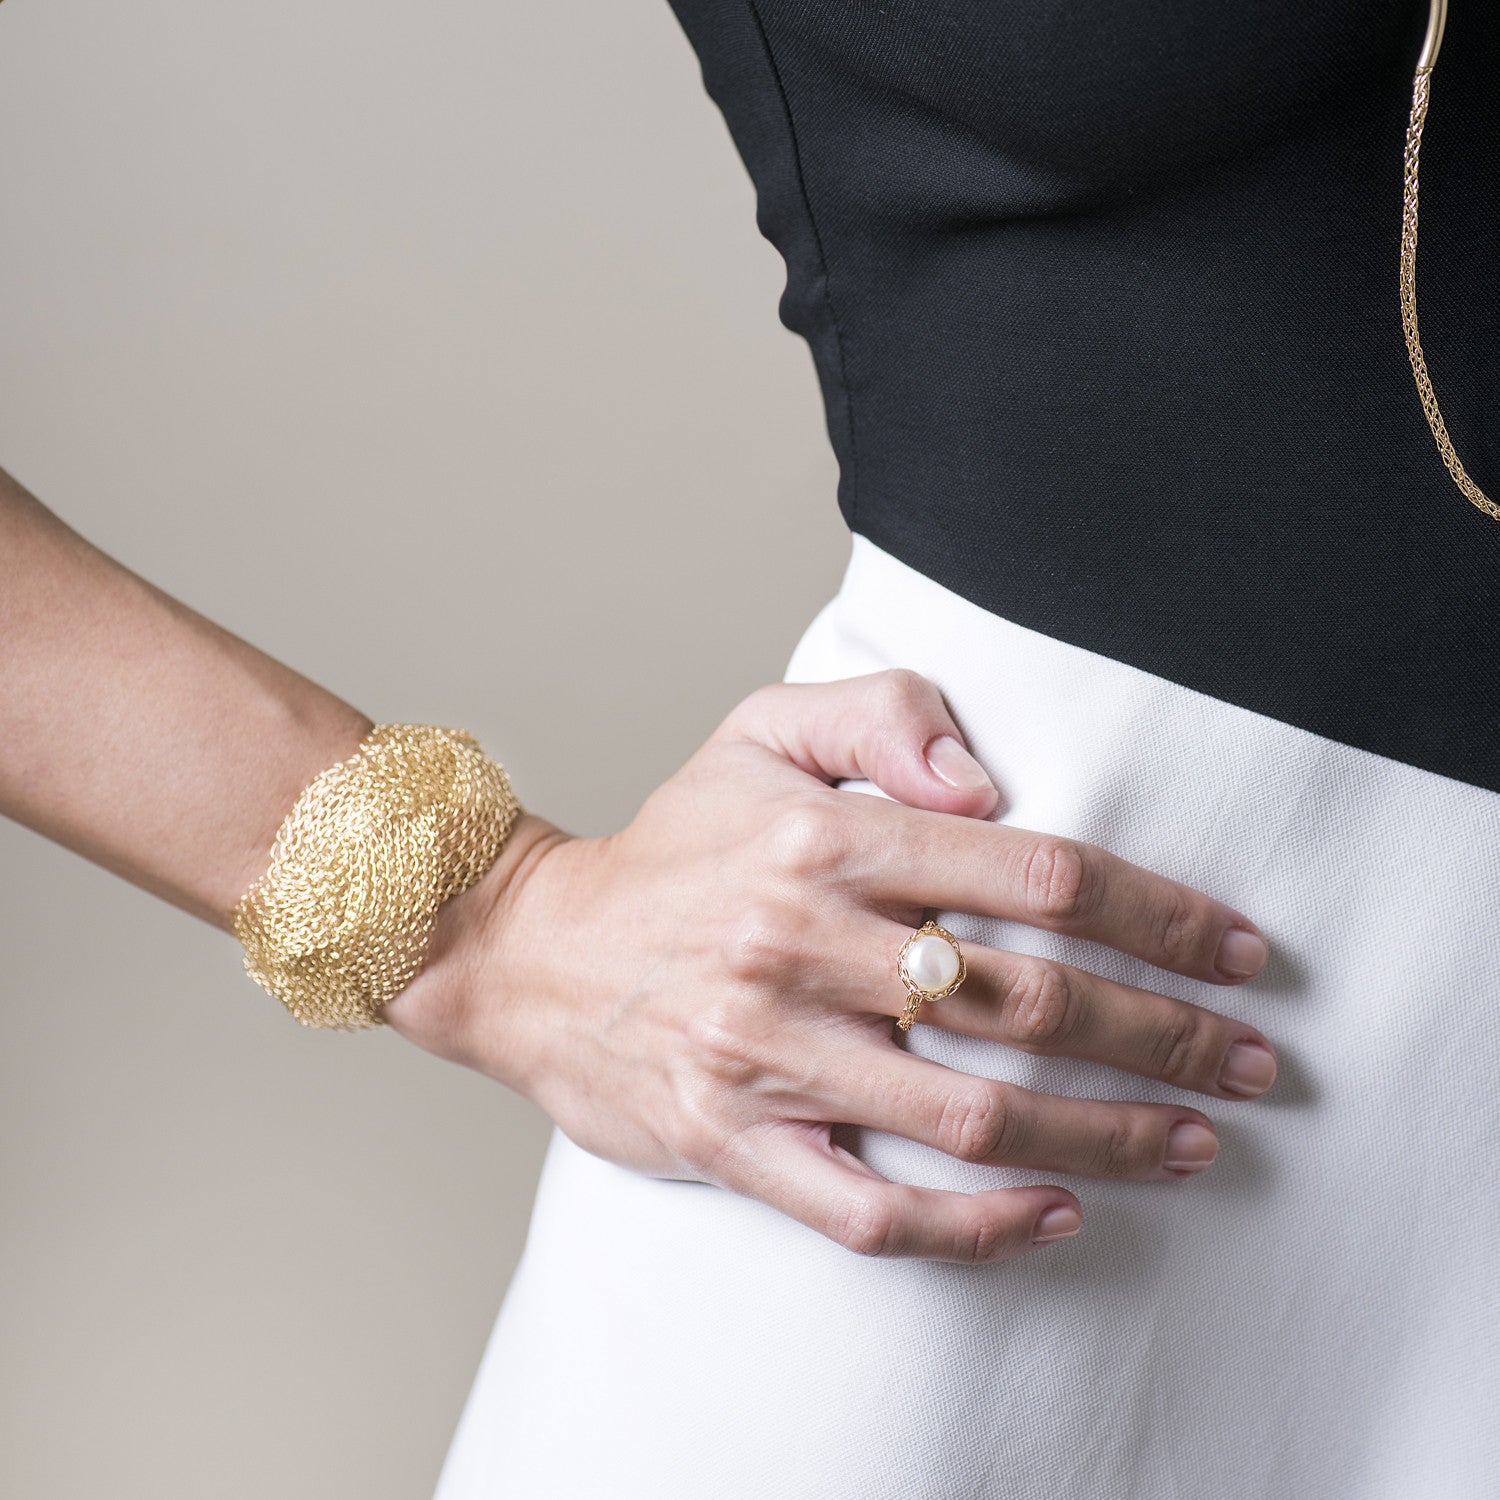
(703,994)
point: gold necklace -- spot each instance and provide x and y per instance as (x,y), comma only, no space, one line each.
(1426,62)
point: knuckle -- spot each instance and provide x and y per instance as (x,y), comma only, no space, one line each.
(810,839)
(1043,1007)
(694,1139)
(865,1224)
(977,1124)
(759,945)
(985,1240)
(1178,1047)
(1055,881)
(699,1119)
(1124,1149)
(1177,929)
(721,1051)
(904,689)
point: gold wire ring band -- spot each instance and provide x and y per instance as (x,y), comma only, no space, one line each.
(917,993)
(1421,87)
(340,921)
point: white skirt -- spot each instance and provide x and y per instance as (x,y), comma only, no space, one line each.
(1315,1316)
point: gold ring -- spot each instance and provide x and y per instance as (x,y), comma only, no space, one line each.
(930,965)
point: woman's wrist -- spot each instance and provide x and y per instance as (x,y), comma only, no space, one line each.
(459,998)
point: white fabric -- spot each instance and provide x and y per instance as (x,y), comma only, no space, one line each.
(1316,1315)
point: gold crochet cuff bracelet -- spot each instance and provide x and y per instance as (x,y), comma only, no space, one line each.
(341,920)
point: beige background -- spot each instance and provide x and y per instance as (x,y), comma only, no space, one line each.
(434,349)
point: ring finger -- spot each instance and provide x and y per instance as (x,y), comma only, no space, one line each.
(1046,1007)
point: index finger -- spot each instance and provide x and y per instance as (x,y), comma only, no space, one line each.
(915,857)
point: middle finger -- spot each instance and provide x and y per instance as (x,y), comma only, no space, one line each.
(903,855)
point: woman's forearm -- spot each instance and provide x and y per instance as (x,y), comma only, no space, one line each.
(139,733)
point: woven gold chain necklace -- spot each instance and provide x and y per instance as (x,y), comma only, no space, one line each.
(1421,84)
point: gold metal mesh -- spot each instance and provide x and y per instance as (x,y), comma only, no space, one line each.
(340,922)
(1421,88)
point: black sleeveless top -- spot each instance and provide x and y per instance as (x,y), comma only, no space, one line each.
(1102,298)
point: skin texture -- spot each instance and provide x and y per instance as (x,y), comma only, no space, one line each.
(704,993)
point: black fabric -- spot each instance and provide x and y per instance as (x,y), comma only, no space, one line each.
(1102,297)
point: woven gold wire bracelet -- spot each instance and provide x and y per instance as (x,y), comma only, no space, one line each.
(340,921)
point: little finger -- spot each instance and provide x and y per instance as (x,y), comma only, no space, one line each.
(795,1167)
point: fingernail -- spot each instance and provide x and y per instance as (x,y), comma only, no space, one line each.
(1249,1069)
(1057,1224)
(956,766)
(1241,953)
(1190,1147)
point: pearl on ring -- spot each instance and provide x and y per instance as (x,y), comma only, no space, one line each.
(932,963)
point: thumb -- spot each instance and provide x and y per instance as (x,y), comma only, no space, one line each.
(891,728)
